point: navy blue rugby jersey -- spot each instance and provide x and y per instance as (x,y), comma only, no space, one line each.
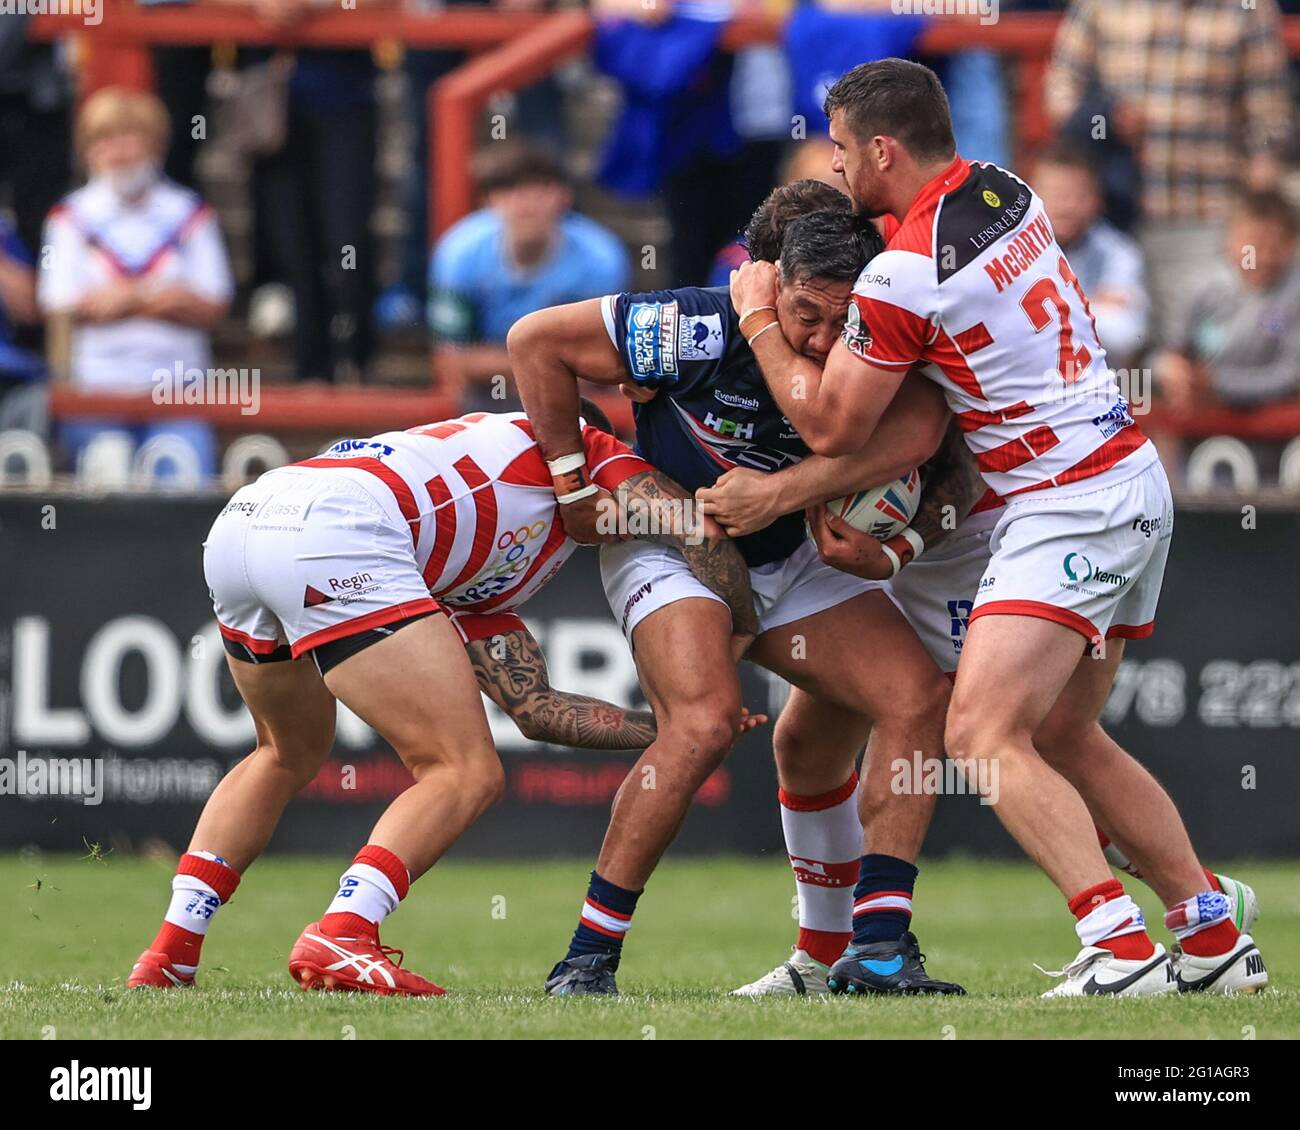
(714,410)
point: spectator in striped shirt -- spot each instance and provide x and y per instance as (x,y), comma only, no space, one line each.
(1108,262)
(1198,89)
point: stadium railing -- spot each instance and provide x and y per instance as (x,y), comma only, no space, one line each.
(510,50)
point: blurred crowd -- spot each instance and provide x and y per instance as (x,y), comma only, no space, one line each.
(1168,178)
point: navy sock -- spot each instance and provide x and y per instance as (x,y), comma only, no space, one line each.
(606,918)
(882,900)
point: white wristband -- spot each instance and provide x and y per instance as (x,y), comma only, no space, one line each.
(577,495)
(566,463)
(913,539)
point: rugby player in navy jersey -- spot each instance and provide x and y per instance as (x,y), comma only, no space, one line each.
(712,412)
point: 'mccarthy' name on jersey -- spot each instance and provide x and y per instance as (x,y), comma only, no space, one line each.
(1021,253)
(713,410)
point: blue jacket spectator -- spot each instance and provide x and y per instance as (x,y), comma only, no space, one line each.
(526,250)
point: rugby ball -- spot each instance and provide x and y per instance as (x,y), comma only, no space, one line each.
(881,511)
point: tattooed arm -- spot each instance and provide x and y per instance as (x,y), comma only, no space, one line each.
(511,671)
(656,509)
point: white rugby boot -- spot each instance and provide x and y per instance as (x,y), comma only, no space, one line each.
(1240,970)
(1098,972)
(798,977)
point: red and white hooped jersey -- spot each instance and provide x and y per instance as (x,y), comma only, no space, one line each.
(479,501)
(973,286)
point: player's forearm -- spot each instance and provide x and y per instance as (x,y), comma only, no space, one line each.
(832,407)
(717,564)
(585,723)
(511,671)
(909,433)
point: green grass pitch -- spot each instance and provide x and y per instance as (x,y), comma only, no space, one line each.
(70,928)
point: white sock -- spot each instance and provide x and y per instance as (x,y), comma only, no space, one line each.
(1112,919)
(823,837)
(1197,913)
(365,891)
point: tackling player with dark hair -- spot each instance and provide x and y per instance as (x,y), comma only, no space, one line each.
(711,412)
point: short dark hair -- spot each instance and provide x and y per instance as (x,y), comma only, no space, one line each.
(785,203)
(509,164)
(1068,155)
(895,98)
(1268,205)
(828,244)
(592,412)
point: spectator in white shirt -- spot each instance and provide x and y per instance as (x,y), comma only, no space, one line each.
(1108,262)
(134,269)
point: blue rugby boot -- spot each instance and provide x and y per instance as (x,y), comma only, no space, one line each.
(896,968)
(591,974)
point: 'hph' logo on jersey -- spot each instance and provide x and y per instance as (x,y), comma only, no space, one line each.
(719,426)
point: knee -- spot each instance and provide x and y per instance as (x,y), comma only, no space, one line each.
(919,709)
(298,760)
(1064,743)
(972,733)
(486,781)
(476,778)
(793,748)
(701,733)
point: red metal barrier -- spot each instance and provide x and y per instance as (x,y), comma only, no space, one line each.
(280,408)
(1278,422)
(291,409)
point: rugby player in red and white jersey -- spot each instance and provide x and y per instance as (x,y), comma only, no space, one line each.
(973,288)
(935,592)
(330,579)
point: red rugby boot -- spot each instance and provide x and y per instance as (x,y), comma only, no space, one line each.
(155,970)
(321,961)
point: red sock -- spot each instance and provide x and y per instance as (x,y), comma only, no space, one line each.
(825,946)
(1213,880)
(1211,941)
(181,945)
(1134,946)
